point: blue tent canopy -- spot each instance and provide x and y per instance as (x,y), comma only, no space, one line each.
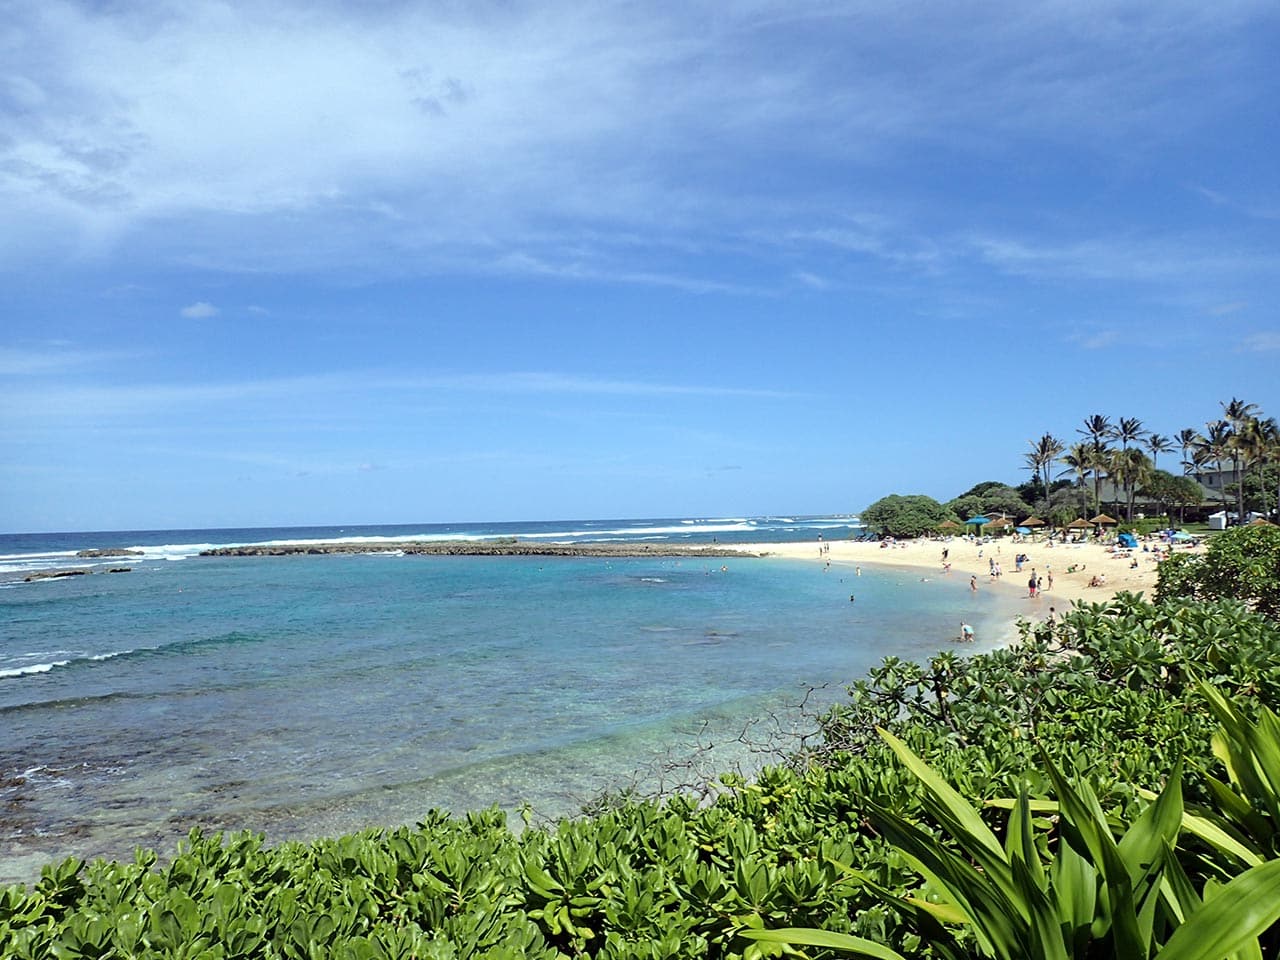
(1128,540)
(978,520)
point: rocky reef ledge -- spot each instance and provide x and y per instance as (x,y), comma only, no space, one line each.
(482,548)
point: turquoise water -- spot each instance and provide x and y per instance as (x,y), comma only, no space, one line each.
(309,695)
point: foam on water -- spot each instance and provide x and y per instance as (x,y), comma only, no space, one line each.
(307,695)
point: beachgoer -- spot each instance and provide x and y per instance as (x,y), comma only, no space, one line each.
(973,583)
(1031,584)
(966,632)
(945,551)
(1050,575)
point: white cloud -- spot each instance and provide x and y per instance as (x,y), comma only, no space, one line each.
(200,310)
(1264,341)
(53,357)
(288,136)
(1097,340)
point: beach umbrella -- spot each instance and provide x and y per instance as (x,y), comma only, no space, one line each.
(1183,535)
(1033,522)
(1022,530)
(948,525)
(1079,523)
(977,521)
(1261,522)
(1104,520)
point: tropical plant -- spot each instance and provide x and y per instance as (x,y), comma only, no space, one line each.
(1044,453)
(1241,563)
(1158,444)
(904,516)
(1096,896)
(1098,429)
(1239,416)
(1215,447)
(1186,439)
(1128,430)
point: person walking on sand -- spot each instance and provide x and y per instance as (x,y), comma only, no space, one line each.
(973,582)
(1032,581)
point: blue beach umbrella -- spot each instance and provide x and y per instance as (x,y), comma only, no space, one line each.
(978,521)
(1022,530)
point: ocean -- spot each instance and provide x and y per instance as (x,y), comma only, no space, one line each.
(304,695)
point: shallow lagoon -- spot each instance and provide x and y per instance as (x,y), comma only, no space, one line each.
(300,696)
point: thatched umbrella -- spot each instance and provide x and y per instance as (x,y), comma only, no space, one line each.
(949,525)
(1261,522)
(1032,522)
(1103,520)
(1079,523)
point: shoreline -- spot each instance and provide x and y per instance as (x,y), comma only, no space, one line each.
(1071,565)
(484,548)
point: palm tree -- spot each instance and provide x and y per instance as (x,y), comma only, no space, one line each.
(1131,468)
(1238,414)
(1158,444)
(1186,439)
(1097,428)
(1215,446)
(1040,460)
(1128,430)
(1079,460)
(1269,435)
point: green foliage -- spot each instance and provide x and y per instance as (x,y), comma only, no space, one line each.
(1171,491)
(1078,894)
(904,516)
(990,498)
(1242,562)
(1111,689)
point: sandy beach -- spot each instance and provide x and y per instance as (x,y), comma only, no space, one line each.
(1071,566)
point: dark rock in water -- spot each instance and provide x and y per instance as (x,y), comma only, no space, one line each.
(471,548)
(120,570)
(53,575)
(108,552)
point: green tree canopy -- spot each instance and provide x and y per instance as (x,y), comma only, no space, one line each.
(1243,562)
(904,516)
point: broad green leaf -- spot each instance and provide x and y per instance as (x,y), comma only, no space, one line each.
(1218,838)
(858,946)
(1239,912)
(952,807)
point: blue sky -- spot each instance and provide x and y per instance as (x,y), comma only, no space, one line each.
(340,263)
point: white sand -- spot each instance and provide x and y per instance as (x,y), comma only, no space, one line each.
(971,559)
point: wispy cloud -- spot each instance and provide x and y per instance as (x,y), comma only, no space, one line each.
(472,133)
(1226,309)
(1098,340)
(52,359)
(1264,341)
(302,394)
(201,310)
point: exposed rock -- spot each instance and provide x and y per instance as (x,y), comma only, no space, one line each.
(470,548)
(108,552)
(54,575)
(120,570)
